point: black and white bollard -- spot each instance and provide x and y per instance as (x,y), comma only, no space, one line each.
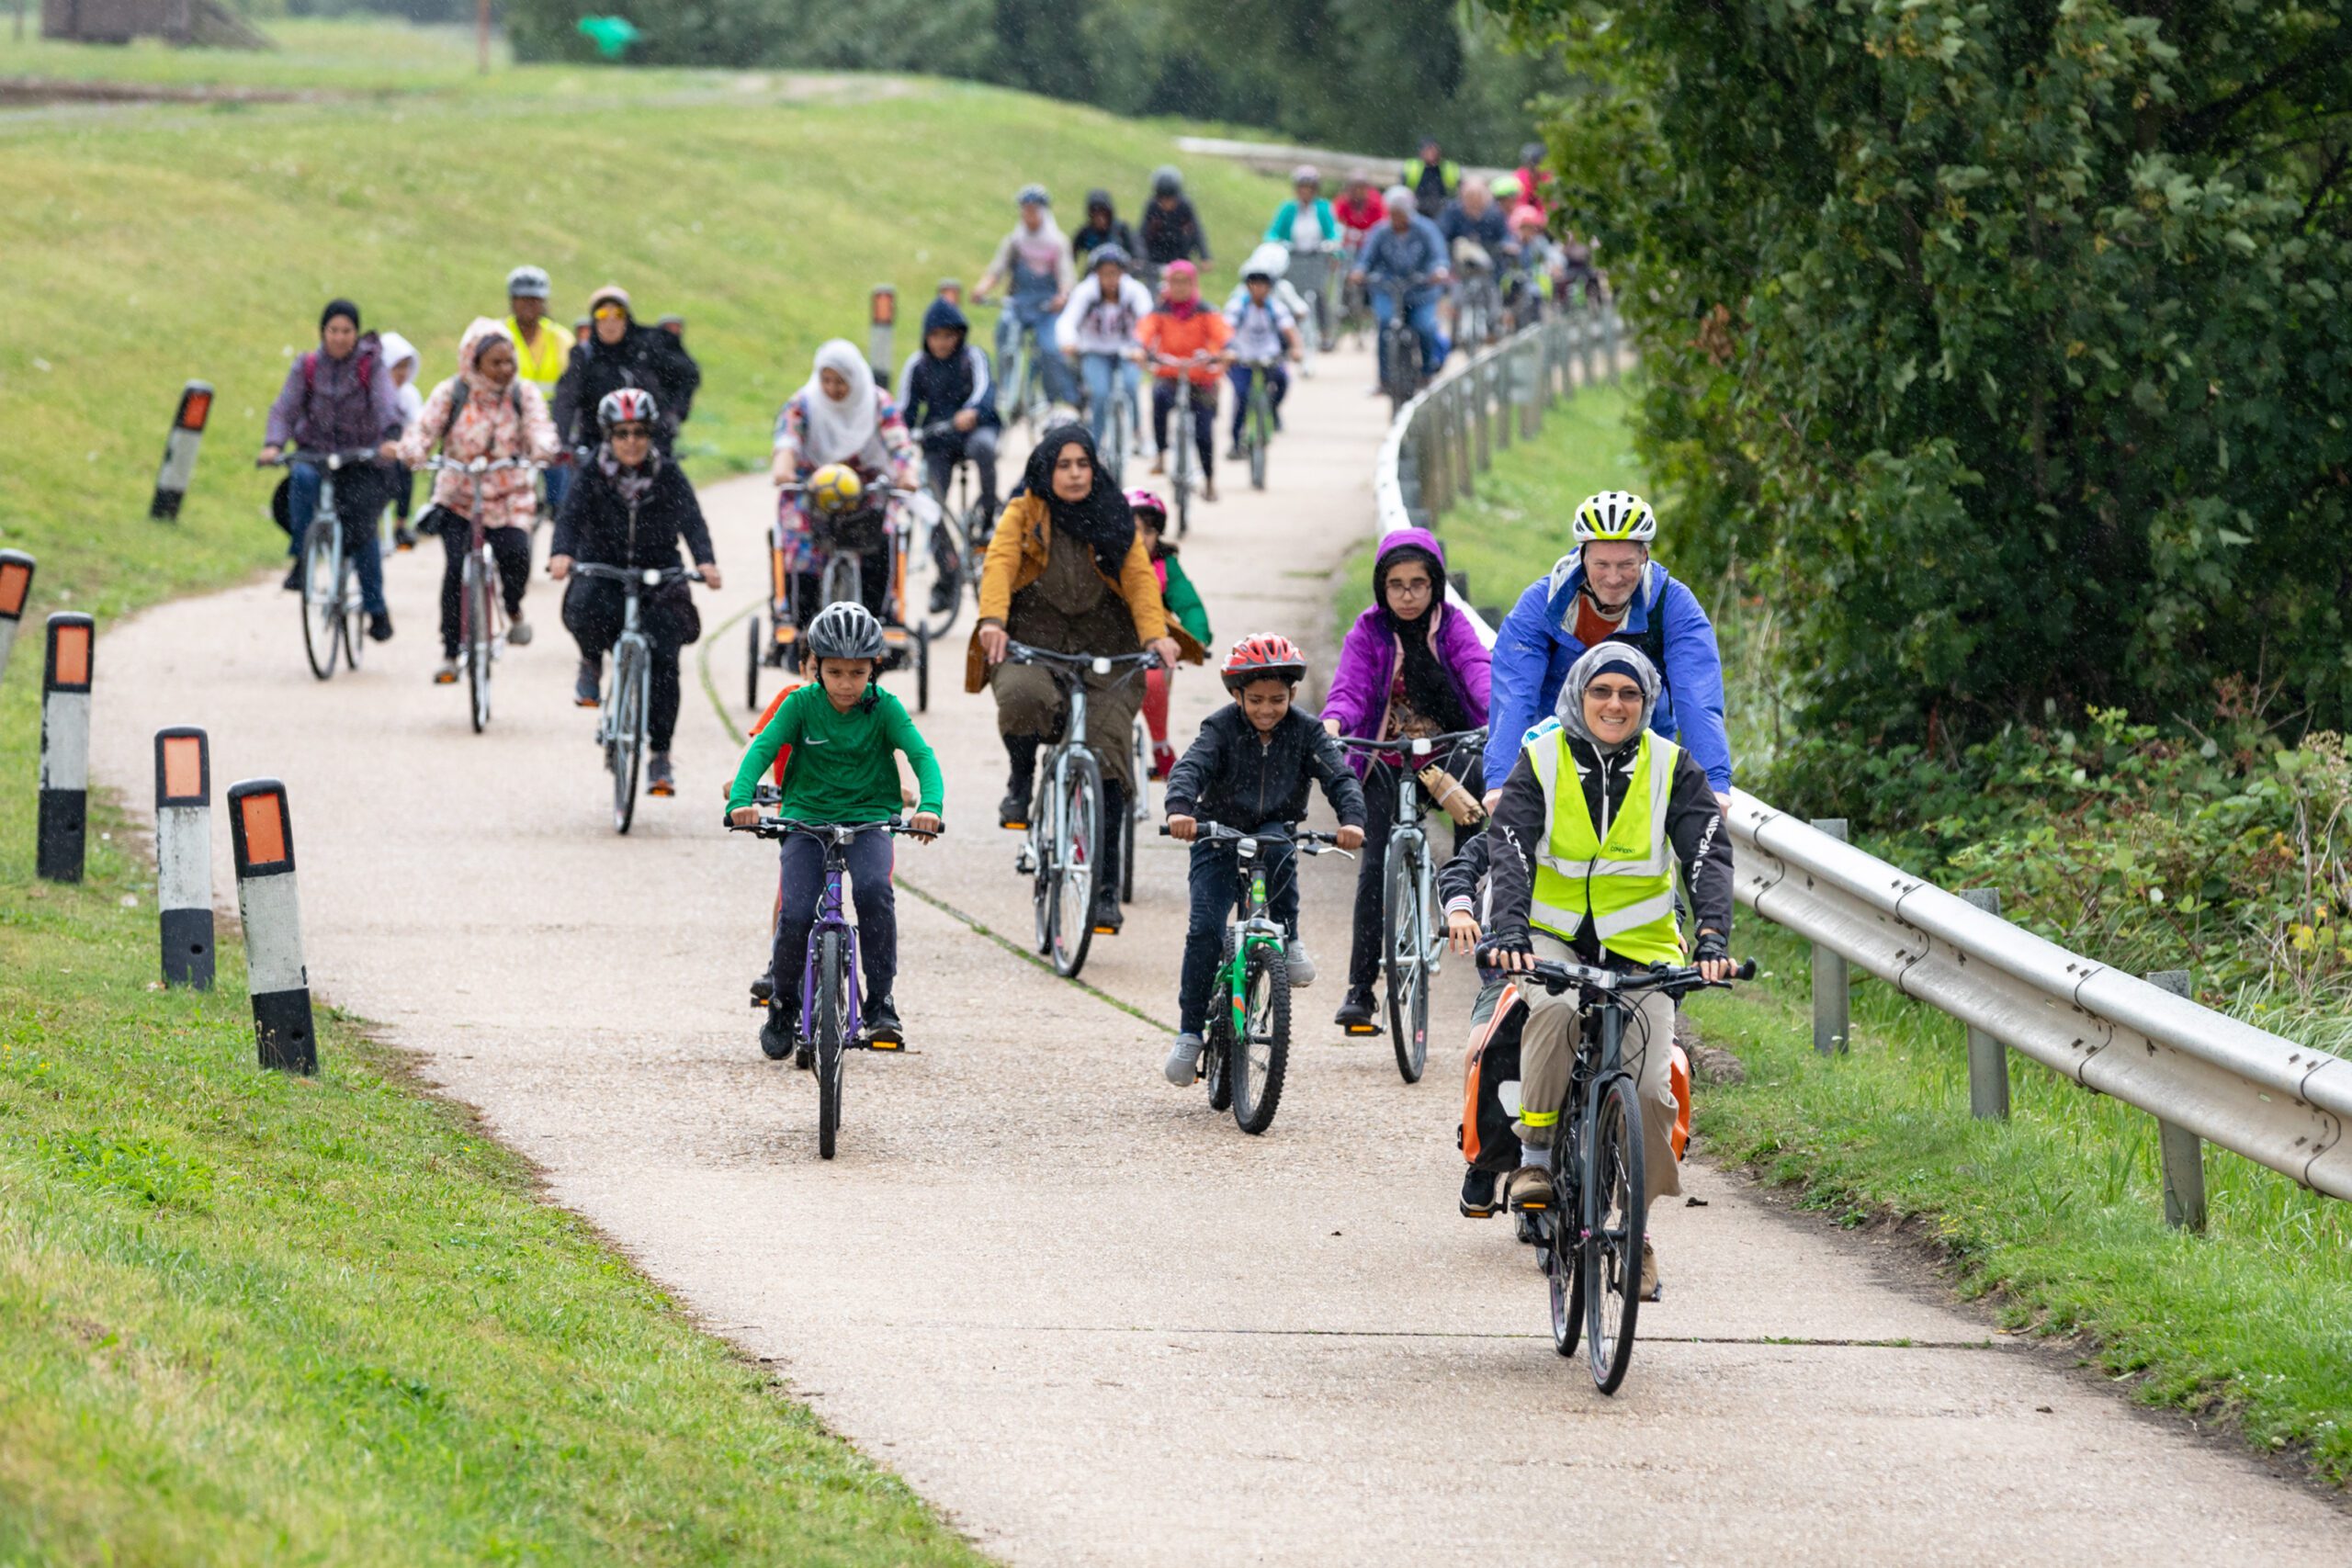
(881,322)
(184,854)
(16,592)
(263,836)
(65,748)
(179,451)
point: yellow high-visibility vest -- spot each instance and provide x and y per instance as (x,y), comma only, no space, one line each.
(1625,881)
(541,365)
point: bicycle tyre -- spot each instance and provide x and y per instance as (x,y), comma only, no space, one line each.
(843,578)
(926,621)
(1219,1033)
(1139,805)
(1405,955)
(923,671)
(354,613)
(752,664)
(1180,467)
(1563,1262)
(628,733)
(474,598)
(1076,851)
(321,606)
(1258,1085)
(1115,438)
(1612,1186)
(832,1008)
(1262,430)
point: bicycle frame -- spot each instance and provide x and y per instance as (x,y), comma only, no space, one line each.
(1256,927)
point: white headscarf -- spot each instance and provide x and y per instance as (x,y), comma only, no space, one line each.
(842,431)
(397,349)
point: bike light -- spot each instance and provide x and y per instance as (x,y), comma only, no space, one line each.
(651,577)
(1102,666)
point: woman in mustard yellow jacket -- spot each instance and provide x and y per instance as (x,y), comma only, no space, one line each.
(1067,571)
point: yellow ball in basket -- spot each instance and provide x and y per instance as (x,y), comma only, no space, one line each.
(835,487)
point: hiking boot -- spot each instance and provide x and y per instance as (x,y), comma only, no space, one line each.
(659,779)
(518,630)
(1530,1185)
(583,685)
(1355,1012)
(882,1025)
(1301,964)
(1478,1194)
(775,1033)
(1183,1067)
(1652,1288)
(1013,811)
(447,675)
(1021,753)
(294,577)
(380,627)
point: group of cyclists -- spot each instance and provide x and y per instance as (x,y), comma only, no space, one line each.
(1585,764)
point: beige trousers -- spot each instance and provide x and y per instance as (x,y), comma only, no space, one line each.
(1548,1052)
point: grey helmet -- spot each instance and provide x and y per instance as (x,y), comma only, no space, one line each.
(528,282)
(1031,195)
(845,629)
(1167,181)
(1113,252)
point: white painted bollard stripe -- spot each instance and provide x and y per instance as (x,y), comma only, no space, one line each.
(179,451)
(184,855)
(261,831)
(65,747)
(16,592)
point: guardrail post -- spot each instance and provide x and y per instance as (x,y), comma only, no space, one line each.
(261,832)
(1988,1059)
(63,828)
(1465,469)
(2183,1151)
(184,855)
(1506,395)
(1588,341)
(16,591)
(1832,994)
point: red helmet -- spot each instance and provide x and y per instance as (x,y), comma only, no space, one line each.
(1262,656)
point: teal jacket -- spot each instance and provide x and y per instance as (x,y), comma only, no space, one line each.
(1287,214)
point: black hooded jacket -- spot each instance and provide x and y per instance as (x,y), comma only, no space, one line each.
(931,389)
(1173,233)
(1232,774)
(595,523)
(647,357)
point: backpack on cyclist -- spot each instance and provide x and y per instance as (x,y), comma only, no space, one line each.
(1490,1087)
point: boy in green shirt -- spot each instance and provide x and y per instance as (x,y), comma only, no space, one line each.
(843,729)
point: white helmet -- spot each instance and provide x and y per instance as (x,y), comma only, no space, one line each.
(1612,514)
(1272,259)
(528,282)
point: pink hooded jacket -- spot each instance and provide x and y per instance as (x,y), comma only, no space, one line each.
(497,422)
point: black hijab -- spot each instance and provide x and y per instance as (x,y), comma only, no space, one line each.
(1104,519)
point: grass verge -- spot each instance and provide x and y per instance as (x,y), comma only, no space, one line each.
(244,1318)
(2055,1217)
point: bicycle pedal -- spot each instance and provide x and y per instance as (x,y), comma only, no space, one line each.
(1362,1031)
(661,789)
(884,1044)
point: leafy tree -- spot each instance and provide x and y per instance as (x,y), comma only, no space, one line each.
(2002,343)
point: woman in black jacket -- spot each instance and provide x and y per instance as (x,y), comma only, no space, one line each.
(629,507)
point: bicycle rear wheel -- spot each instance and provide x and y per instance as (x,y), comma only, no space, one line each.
(474,600)
(1138,806)
(1405,954)
(1219,1035)
(1562,1259)
(752,651)
(1076,851)
(832,1013)
(628,743)
(355,612)
(321,600)
(1612,1243)
(1262,1056)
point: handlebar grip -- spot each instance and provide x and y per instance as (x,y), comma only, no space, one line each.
(1746,971)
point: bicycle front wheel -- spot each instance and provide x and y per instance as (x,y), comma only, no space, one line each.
(1261,1055)
(355,612)
(751,652)
(1405,956)
(1076,852)
(1218,1065)
(1563,1262)
(1262,430)
(474,596)
(321,600)
(1614,1220)
(626,747)
(832,1013)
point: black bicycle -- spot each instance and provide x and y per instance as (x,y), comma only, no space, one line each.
(1403,373)
(1589,1239)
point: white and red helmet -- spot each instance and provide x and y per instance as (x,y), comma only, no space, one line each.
(631,405)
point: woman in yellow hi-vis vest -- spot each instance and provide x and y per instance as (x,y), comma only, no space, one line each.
(1598,816)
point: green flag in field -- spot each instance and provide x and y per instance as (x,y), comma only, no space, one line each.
(611,35)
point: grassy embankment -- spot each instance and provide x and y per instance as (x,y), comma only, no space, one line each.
(247,1318)
(2055,1215)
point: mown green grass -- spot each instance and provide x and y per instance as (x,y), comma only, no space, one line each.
(2056,1215)
(249,1318)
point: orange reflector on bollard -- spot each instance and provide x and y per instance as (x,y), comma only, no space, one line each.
(16,582)
(886,305)
(195,409)
(182,767)
(261,822)
(72,664)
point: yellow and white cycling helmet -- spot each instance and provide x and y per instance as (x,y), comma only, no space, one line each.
(1616,515)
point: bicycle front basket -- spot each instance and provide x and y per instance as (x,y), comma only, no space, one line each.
(862,532)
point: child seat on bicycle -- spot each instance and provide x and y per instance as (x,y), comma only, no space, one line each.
(844,732)
(1249,767)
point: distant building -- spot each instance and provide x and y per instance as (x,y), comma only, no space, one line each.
(212,24)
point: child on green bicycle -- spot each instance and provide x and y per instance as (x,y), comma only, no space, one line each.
(843,729)
(1249,768)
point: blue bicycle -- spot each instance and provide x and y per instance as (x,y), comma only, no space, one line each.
(831,1020)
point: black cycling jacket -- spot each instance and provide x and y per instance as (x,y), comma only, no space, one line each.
(1232,774)
(595,523)
(647,357)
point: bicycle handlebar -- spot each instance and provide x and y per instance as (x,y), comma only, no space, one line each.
(439,463)
(289,456)
(1098,664)
(835,833)
(1307,840)
(649,576)
(1419,746)
(1588,979)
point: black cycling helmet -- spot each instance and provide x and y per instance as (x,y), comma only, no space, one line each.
(1098,197)
(845,629)
(1166,181)
(1113,252)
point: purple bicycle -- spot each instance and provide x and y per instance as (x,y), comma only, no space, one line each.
(831,1018)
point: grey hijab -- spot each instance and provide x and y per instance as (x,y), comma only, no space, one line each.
(1623,657)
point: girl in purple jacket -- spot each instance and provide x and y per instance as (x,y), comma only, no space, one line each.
(1409,667)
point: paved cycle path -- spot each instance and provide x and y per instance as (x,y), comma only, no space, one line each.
(1091,1320)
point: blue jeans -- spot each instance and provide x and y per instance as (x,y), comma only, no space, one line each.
(1218,891)
(358,496)
(869,858)
(1277,385)
(1422,313)
(1032,313)
(1107,375)
(558,482)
